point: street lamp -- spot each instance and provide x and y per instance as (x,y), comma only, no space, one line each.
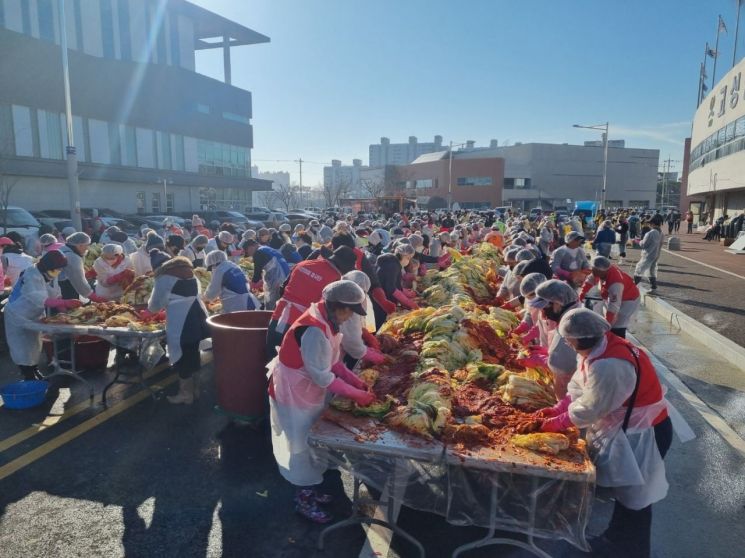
(605,155)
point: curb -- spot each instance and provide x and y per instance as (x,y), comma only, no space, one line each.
(727,349)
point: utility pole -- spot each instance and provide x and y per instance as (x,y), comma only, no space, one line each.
(299,161)
(737,31)
(72,159)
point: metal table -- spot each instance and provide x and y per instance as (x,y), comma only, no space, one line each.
(119,336)
(506,488)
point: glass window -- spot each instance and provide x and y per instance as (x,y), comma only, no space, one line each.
(205,109)
(155,202)
(125,40)
(115,143)
(729,134)
(22,132)
(99,141)
(169,203)
(720,137)
(107,29)
(509,183)
(46,20)
(177,152)
(50,135)
(474,181)
(740,127)
(145,148)
(164,150)
(141,202)
(235,117)
(175,43)
(128,141)
(423,183)
(161,40)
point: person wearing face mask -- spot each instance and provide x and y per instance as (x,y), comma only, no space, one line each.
(509,286)
(27,303)
(306,370)
(569,262)
(303,244)
(194,252)
(270,271)
(72,280)
(530,325)
(651,246)
(229,284)
(620,293)
(616,395)
(555,298)
(389,268)
(114,272)
(358,340)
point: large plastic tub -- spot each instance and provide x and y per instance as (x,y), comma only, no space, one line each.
(91,353)
(238,346)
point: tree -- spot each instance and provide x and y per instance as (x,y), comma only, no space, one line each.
(373,187)
(336,190)
(283,195)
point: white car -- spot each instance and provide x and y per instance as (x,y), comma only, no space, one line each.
(21,221)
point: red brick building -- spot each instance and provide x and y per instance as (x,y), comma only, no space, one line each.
(476,182)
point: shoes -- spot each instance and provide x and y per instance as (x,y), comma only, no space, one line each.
(653,282)
(637,279)
(306,504)
(185,393)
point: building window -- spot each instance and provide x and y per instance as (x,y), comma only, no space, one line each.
(640,204)
(155,203)
(46,20)
(125,39)
(474,181)
(161,39)
(107,29)
(235,117)
(145,148)
(141,202)
(128,141)
(99,141)
(204,109)
(423,184)
(22,132)
(164,150)
(175,43)
(613,204)
(219,159)
(169,203)
(177,152)
(50,135)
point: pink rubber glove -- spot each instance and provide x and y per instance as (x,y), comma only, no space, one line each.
(422,271)
(95,298)
(146,314)
(236,253)
(56,303)
(409,293)
(558,409)
(257,286)
(532,335)
(408,277)
(370,340)
(610,317)
(341,371)
(378,295)
(563,274)
(373,356)
(340,387)
(524,327)
(117,278)
(535,360)
(444,261)
(559,423)
(404,300)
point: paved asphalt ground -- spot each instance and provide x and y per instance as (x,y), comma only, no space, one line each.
(145,478)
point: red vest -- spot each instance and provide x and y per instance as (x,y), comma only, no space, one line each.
(289,351)
(305,286)
(358,262)
(650,390)
(615,275)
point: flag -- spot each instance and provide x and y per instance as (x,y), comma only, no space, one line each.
(722,26)
(703,72)
(711,52)
(704,89)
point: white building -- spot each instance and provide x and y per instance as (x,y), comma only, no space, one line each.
(279,179)
(387,153)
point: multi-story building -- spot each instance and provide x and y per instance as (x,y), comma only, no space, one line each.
(715,184)
(152,134)
(557,175)
(387,153)
(279,180)
(345,178)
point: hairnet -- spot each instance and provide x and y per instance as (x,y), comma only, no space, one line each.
(601,262)
(285,227)
(519,242)
(573,235)
(54,259)
(524,255)
(374,238)
(47,240)
(519,269)
(299,227)
(225,237)
(581,323)
(215,257)
(111,250)
(325,235)
(154,241)
(511,252)
(444,237)
(78,239)
(248,242)
(554,290)
(68,231)
(530,283)
(405,250)
(416,240)
(345,292)
(200,240)
(158,258)
(250,234)
(118,236)
(263,231)
(360,278)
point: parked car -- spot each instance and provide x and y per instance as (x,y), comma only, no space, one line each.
(155,222)
(227,216)
(58,223)
(269,218)
(21,221)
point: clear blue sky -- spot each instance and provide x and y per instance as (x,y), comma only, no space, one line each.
(339,74)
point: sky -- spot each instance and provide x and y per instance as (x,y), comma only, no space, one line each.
(339,74)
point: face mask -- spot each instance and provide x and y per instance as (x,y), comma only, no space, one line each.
(586,343)
(54,273)
(419,249)
(551,314)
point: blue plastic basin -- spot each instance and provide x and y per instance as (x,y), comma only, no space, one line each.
(24,395)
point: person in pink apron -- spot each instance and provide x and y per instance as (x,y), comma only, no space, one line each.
(301,377)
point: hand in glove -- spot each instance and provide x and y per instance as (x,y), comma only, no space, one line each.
(532,335)
(373,356)
(236,253)
(347,375)
(405,301)
(378,295)
(558,409)
(257,286)
(408,277)
(559,423)
(444,261)
(361,397)
(62,304)
(90,274)
(96,298)
(370,340)
(534,360)
(146,315)
(524,327)
(409,293)
(610,317)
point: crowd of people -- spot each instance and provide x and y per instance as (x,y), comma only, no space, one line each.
(332,284)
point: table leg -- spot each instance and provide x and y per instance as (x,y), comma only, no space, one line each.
(58,370)
(358,519)
(140,379)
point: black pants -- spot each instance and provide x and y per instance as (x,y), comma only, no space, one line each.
(690,227)
(189,362)
(620,331)
(631,530)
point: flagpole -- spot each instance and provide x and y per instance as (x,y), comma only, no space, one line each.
(716,52)
(737,30)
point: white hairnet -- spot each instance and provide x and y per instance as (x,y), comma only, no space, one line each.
(360,278)
(47,239)
(416,240)
(215,257)
(554,290)
(530,283)
(601,262)
(250,234)
(225,237)
(111,250)
(581,323)
(200,240)
(405,250)
(344,291)
(78,239)
(325,235)
(511,252)
(519,269)
(524,255)
(374,238)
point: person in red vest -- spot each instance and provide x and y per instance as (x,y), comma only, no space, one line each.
(616,395)
(307,367)
(303,287)
(619,292)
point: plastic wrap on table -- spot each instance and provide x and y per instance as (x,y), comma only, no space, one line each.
(526,503)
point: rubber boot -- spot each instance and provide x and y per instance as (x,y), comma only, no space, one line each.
(637,279)
(30,373)
(307,506)
(185,393)
(653,282)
